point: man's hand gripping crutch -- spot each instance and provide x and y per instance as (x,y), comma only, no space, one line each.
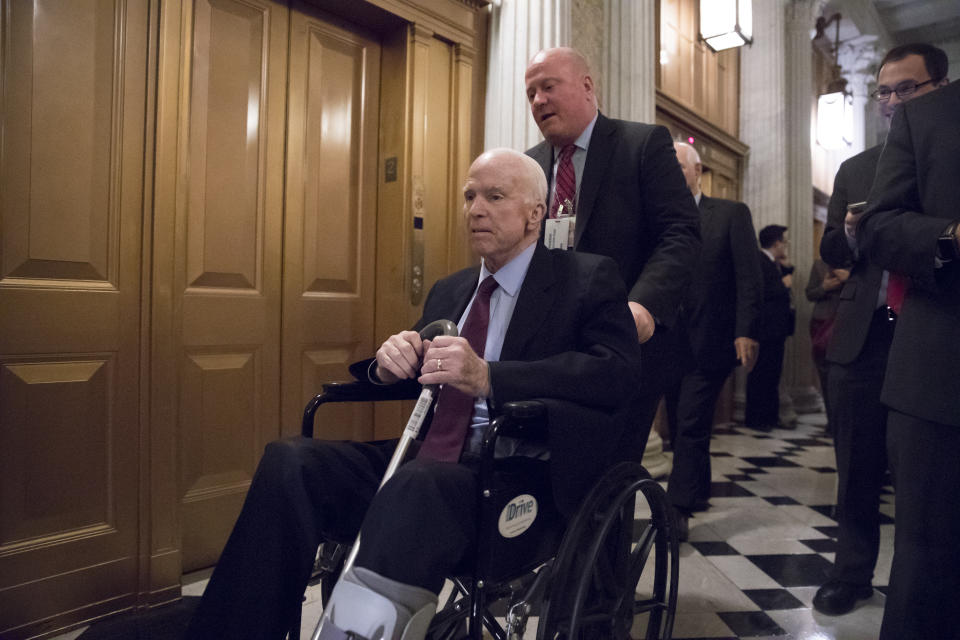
(365,605)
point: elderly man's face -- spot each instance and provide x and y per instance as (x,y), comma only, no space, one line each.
(501,216)
(561,97)
(911,69)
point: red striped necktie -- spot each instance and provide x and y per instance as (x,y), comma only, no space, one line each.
(448,430)
(566,181)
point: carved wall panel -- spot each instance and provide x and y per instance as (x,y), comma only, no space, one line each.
(230,212)
(71,208)
(331,210)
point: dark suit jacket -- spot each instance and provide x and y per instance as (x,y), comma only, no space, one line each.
(723,301)
(776,316)
(634,206)
(858,297)
(572,343)
(915,196)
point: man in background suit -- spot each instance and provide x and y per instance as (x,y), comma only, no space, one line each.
(776,324)
(911,229)
(719,324)
(558,330)
(631,203)
(823,289)
(862,333)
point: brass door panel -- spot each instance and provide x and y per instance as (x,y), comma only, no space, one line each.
(331,214)
(229,213)
(71,205)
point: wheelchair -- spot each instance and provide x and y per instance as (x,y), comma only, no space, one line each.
(604,573)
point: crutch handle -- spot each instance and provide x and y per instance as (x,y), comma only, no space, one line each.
(438,328)
(429,332)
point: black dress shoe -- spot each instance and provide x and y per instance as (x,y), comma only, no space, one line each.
(837,598)
(700,505)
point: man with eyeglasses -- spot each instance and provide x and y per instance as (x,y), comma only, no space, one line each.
(910,227)
(862,333)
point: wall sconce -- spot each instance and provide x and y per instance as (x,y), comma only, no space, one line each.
(835,120)
(835,105)
(725,24)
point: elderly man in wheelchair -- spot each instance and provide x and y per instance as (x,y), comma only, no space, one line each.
(533,407)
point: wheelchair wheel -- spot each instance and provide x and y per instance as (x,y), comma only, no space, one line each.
(608,580)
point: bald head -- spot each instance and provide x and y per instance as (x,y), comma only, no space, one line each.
(504,199)
(560,92)
(563,55)
(689,161)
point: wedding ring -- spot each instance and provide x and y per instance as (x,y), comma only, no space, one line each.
(439,364)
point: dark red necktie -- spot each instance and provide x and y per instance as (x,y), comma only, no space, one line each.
(566,181)
(896,291)
(448,429)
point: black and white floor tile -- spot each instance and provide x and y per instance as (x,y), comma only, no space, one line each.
(757,556)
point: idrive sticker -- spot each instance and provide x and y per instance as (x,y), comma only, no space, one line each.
(517,516)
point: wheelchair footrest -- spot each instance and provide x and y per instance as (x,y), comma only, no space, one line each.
(367,606)
(331,631)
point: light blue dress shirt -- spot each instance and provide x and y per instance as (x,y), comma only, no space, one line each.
(509,278)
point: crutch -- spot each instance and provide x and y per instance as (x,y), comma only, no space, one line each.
(410,433)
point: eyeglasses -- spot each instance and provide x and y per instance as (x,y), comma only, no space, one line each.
(903,90)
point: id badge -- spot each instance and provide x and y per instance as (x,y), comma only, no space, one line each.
(559,232)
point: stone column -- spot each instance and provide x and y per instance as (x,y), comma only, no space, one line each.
(763,126)
(629,60)
(763,115)
(518,29)
(801,15)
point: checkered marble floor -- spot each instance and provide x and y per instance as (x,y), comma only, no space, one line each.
(756,558)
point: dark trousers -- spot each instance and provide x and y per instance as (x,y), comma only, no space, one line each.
(925,579)
(763,385)
(696,402)
(823,375)
(860,427)
(416,530)
(663,360)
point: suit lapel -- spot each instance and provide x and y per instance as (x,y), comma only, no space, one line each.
(533,305)
(708,216)
(598,157)
(453,306)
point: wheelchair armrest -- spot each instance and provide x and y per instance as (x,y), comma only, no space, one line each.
(525,419)
(356,391)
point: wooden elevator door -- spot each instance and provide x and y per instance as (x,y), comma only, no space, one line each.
(276,228)
(71,209)
(331,214)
